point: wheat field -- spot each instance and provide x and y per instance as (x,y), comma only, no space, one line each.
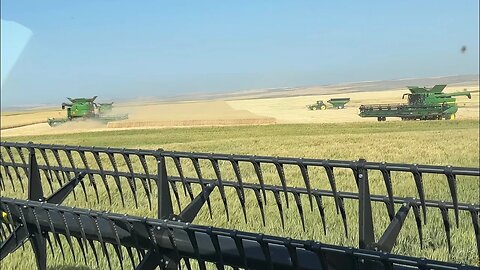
(426,142)
(243,110)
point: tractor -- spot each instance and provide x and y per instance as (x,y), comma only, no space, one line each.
(337,103)
(320,105)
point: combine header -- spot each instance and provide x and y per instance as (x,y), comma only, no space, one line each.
(177,240)
(423,104)
(86,108)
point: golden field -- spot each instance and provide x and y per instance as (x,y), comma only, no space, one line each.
(246,110)
(278,125)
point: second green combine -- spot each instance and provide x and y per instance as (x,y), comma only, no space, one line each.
(86,108)
(423,104)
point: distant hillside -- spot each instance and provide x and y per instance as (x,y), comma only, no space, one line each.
(351,87)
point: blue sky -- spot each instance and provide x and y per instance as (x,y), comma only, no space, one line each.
(123,49)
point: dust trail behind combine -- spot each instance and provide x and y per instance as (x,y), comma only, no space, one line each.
(177,114)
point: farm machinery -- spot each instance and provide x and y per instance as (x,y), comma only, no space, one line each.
(174,190)
(423,104)
(319,105)
(337,103)
(86,108)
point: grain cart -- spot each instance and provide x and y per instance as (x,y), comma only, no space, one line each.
(338,103)
(86,108)
(423,104)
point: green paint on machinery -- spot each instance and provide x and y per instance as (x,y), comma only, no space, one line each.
(337,103)
(86,108)
(423,104)
(320,105)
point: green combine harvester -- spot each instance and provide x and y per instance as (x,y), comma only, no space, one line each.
(423,104)
(337,103)
(86,108)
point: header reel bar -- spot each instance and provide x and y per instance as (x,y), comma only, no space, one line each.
(222,247)
(359,168)
(22,231)
(417,171)
(318,194)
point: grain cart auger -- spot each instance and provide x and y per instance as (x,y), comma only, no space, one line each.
(45,178)
(423,104)
(86,108)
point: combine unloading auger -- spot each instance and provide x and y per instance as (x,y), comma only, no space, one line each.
(168,239)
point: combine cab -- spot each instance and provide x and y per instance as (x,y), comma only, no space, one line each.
(86,108)
(423,104)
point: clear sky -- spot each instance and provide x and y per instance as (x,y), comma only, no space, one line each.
(122,49)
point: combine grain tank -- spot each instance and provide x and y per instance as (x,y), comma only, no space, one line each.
(423,104)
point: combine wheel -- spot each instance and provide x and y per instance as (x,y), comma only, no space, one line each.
(381,118)
(323,107)
(450,117)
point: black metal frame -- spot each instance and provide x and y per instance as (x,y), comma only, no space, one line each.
(370,255)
